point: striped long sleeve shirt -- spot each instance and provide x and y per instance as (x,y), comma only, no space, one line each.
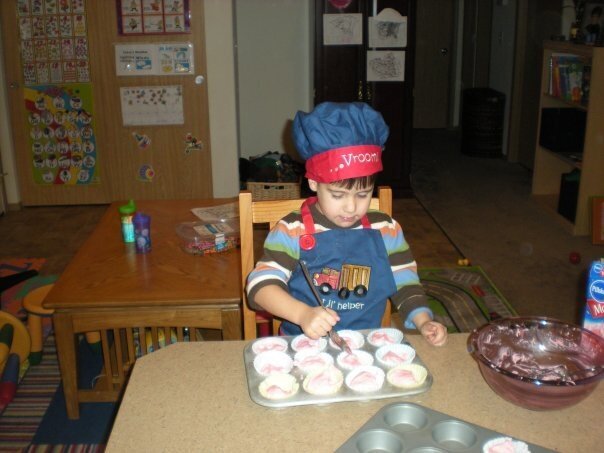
(282,252)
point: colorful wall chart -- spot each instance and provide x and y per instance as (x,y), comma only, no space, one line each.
(60,123)
(54,43)
(153,17)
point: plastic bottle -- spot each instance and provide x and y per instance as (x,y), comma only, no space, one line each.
(126,213)
(142,232)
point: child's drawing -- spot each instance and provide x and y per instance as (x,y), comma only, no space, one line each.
(385,66)
(342,29)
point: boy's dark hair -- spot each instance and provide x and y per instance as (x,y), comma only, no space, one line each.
(360,182)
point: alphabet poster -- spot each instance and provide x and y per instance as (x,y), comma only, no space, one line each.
(62,141)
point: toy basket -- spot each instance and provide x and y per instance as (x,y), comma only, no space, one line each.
(274,190)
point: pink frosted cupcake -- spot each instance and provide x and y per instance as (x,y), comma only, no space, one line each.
(273,362)
(355,359)
(354,339)
(392,355)
(505,445)
(303,343)
(381,337)
(310,361)
(269,344)
(407,375)
(365,379)
(324,382)
(279,386)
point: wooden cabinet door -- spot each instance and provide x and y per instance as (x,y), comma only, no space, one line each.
(340,76)
(162,169)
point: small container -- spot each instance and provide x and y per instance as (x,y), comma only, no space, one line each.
(126,213)
(199,238)
(142,232)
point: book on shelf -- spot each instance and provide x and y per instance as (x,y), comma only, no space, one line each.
(569,77)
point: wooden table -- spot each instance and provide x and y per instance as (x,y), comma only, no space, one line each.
(194,397)
(108,287)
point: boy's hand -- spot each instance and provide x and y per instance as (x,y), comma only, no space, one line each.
(316,321)
(434,333)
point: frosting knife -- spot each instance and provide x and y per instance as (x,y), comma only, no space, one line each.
(337,339)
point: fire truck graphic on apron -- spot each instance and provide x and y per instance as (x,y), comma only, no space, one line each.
(351,278)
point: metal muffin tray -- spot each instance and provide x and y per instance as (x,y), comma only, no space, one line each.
(344,394)
(408,427)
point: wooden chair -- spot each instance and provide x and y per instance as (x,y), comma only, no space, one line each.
(270,212)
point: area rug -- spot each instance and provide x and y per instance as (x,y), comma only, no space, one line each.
(463,298)
(36,420)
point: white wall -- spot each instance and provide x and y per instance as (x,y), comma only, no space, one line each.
(220,63)
(9,166)
(502,55)
(274,66)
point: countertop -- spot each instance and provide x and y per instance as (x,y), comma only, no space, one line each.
(194,397)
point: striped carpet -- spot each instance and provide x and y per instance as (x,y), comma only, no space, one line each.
(21,417)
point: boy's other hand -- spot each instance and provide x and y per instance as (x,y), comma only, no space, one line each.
(434,333)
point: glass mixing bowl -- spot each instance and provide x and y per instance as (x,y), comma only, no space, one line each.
(538,363)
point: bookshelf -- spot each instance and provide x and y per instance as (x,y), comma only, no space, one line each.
(550,165)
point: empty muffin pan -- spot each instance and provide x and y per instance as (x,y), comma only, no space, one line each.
(409,427)
(344,393)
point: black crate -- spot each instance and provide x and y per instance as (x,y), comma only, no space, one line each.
(482,122)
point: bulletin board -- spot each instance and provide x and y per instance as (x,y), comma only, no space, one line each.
(153,17)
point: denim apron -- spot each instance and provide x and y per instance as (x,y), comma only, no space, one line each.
(349,267)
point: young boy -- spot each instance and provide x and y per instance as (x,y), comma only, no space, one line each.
(358,258)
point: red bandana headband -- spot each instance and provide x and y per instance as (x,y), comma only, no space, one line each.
(344,163)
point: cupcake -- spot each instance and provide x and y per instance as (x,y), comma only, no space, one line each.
(269,344)
(355,359)
(279,386)
(326,381)
(365,379)
(407,375)
(505,445)
(392,355)
(354,339)
(309,361)
(381,337)
(272,362)
(303,343)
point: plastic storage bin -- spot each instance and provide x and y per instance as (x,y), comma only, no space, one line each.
(202,238)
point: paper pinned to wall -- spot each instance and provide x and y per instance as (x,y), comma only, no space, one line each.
(152,105)
(387,29)
(385,66)
(342,29)
(175,58)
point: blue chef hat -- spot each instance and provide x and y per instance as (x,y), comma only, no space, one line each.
(340,140)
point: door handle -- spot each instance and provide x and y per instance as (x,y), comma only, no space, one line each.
(444,51)
(13,85)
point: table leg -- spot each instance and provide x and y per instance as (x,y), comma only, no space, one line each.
(231,324)
(66,353)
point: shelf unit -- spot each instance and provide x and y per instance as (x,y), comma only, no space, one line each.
(549,165)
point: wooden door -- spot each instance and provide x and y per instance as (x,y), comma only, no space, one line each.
(433,52)
(340,76)
(142,161)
